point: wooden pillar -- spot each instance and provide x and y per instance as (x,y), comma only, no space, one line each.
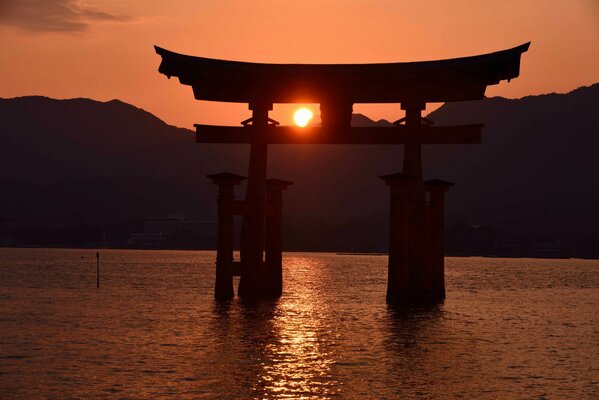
(436,234)
(223,286)
(274,244)
(420,274)
(399,279)
(335,115)
(253,273)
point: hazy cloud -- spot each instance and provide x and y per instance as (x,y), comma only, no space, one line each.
(53,15)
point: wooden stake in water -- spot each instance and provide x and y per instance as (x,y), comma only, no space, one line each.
(98,270)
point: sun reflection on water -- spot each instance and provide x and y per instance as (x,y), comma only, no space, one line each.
(298,363)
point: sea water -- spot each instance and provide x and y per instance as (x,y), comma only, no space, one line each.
(509,329)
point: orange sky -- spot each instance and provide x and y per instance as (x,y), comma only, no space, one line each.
(103,49)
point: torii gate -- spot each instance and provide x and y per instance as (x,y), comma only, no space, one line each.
(416,243)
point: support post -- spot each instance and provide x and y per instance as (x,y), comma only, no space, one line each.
(223,286)
(253,272)
(399,280)
(274,243)
(436,233)
(98,270)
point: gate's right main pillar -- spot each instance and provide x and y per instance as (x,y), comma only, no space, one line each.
(410,276)
(420,274)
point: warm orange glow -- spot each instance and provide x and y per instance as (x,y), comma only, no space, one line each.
(103,49)
(302,117)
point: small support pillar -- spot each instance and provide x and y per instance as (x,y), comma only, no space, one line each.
(274,244)
(436,233)
(226,181)
(400,288)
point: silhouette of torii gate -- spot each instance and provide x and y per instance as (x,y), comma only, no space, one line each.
(416,242)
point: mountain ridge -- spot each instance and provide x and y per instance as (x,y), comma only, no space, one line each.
(361,117)
(87,161)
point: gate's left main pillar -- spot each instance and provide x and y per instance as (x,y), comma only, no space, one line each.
(253,271)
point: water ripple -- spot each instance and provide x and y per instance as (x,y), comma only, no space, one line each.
(509,329)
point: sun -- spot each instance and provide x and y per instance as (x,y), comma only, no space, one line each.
(302,117)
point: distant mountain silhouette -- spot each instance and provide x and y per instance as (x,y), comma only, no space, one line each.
(79,160)
(84,160)
(537,169)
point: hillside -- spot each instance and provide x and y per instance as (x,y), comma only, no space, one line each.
(68,162)
(81,160)
(537,168)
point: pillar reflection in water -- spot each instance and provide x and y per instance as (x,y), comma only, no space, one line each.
(284,348)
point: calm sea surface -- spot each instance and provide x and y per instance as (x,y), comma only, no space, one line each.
(509,329)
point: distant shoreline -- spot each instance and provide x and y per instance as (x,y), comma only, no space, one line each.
(338,253)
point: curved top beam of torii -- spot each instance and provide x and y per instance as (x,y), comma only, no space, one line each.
(455,79)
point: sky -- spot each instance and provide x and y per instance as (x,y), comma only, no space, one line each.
(104,49)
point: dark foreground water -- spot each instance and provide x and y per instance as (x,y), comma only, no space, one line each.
(509,329)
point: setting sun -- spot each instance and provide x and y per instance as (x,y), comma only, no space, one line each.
(302,117)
